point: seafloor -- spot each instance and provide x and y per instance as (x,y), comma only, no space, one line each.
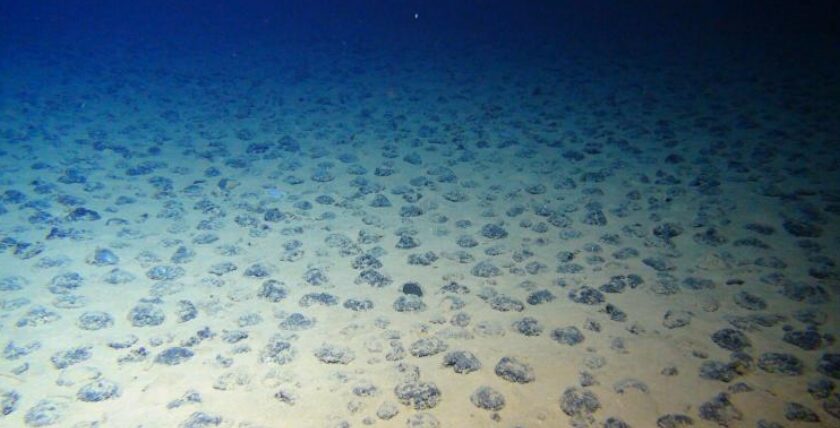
(330,235)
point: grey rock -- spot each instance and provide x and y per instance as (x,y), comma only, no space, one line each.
(358,305)
(324,299)
(487,398)
(165,273)
(366,261)
(410,211)
(668,230)
(676,319)
(711,237)
(409,303)
(387,410)
(190,397)
(37,316)
(397,351)
(466,241)
(717,370)
(422,420)
(182,255)
(615,313)
(782,363)
(365,389)
(802,229)
(186,311)
(832,406)
(749,301)
(315,276)
(493,231)
(118,276)
(103,257)
(579,402)
(613,422)
(273,291)
(427,346)
(761,229)
(829,365)
(45,413)
(66,283)
(659,264)
(257,270)
(731,339)
(417,394)
(513,370)
(373,278)
(796,412)
(625,385)
(674,421)
(334,354)
(485,269)
(808,340)
(70,301)
(98,390)
(539,297)
(586,295)
(407,242)
(123,342)
(461,361)
(146,315)
(278,351)
(174,356)
(380,201)
(720,411)
(70,357)
(222,268)
(297,321)
(286,397)
(412,288)
(567,335)
(803,292)
(95,320)
(820,388)
(201,420)
(528,326)
(695,283)
(8,402)
(503,303)
(249,319)
(234,336)
(740,387)
(13,283)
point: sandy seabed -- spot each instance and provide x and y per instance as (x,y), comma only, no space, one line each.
(362,239)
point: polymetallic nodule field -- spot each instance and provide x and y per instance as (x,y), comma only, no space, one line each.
(404,217)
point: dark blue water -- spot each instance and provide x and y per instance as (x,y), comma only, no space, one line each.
(419,213)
